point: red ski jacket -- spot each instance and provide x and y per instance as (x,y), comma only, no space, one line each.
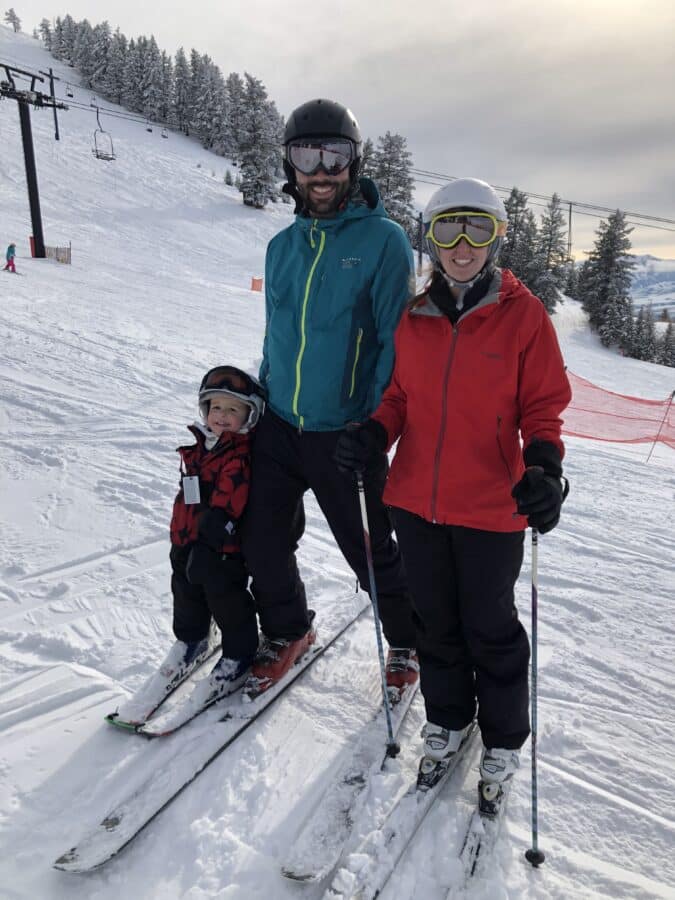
(224,477)
(460,400)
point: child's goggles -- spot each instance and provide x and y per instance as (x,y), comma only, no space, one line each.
(230,379)
(479,228)
(333,155)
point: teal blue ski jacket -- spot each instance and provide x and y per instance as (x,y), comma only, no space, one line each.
(335,290)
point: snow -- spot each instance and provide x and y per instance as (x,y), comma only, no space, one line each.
(98,379)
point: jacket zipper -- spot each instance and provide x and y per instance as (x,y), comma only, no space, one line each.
(303,333)
(441,432)
(356,361)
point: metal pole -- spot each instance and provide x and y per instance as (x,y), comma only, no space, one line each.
(56,119)
(31,179)
(534,855)
(658,433)
(392,747)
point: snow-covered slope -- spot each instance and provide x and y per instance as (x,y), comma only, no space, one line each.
(98,377)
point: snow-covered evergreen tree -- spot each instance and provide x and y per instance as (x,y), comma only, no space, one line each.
(133,76)
(666,351)
(367,158)
(83,52)
(12,19)
(259,144)
(45,30)
(101,53)
(181,92)
(607,272)
(548,271)
(112,83)
(643,343)
(152,84)
(234,123)
(68,38)
(167,87)
(571,286)
(391,172)
(519,249)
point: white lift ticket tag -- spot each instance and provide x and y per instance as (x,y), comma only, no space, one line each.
(191,489)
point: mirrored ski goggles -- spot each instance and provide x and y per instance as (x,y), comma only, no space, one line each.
(229,378)
(480,229)
(333,156)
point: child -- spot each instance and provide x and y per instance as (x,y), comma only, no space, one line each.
(478,370)
(209,575)
(9,256)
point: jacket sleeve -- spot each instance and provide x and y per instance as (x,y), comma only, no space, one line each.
(392,409)
(393,285)
(264,370)
(544,389)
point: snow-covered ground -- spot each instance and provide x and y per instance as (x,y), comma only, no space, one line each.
(98,378)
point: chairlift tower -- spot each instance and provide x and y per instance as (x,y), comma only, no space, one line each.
(25,99)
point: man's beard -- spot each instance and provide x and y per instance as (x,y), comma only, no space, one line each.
(324,208)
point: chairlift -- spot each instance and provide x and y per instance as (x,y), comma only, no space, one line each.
(69,90)
(165,133)
(103,145)
(148,126)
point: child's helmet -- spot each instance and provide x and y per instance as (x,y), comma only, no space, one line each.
(236,383)
(468,194)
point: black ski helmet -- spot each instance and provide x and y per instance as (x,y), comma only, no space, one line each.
(320,119)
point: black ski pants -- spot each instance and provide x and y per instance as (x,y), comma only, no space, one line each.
(470,642)
(204,584)
(285,464)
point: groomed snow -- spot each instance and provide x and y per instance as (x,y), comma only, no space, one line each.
(98,377)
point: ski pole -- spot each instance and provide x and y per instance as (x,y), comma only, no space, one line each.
(534,855)
(392,747)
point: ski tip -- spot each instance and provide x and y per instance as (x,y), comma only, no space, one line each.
(295,875)
(114,719)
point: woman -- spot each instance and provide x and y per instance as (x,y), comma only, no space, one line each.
(478,371)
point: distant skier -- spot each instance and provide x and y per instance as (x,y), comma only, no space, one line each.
(209,575)
(477,368)
(9,257)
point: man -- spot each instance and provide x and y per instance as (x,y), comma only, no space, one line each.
(336,281)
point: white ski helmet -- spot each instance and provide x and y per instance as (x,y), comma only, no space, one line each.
(235,383)
(468,194)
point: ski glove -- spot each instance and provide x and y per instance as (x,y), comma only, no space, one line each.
(359,446)
(216,528)
(540,493)
(539,497)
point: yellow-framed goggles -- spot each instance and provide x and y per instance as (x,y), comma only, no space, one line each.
(480,229)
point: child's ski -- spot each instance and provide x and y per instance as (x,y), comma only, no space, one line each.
(129,815)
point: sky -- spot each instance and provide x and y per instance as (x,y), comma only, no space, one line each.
(565,97)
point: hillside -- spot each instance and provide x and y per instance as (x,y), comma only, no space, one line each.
(98,376)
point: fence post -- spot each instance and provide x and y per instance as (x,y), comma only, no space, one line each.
(658,433)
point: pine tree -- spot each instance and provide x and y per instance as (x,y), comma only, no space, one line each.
(167,87)
(12,19)
(571,286)
(259,142)
(391,172)
(519,248)
(234,123)
(83,52)
(133,75)
(112,84)
(68,37)
(45,30)
(151,86)
(607,275)
(102,42)
(181,94)
(367,159)
(666,353)
(548,273)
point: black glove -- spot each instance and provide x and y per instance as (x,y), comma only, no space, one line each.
(540,493)
(359,446)
(215,528)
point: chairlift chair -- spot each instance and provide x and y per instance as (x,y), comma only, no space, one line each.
(165,133)
(148,126)
(69,90)
(103,146)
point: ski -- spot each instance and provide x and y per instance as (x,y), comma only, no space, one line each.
(152,694)
(319,846)
(483,829)
(192,755)
(382,849)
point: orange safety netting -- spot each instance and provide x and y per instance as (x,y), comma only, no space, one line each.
(605,416)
